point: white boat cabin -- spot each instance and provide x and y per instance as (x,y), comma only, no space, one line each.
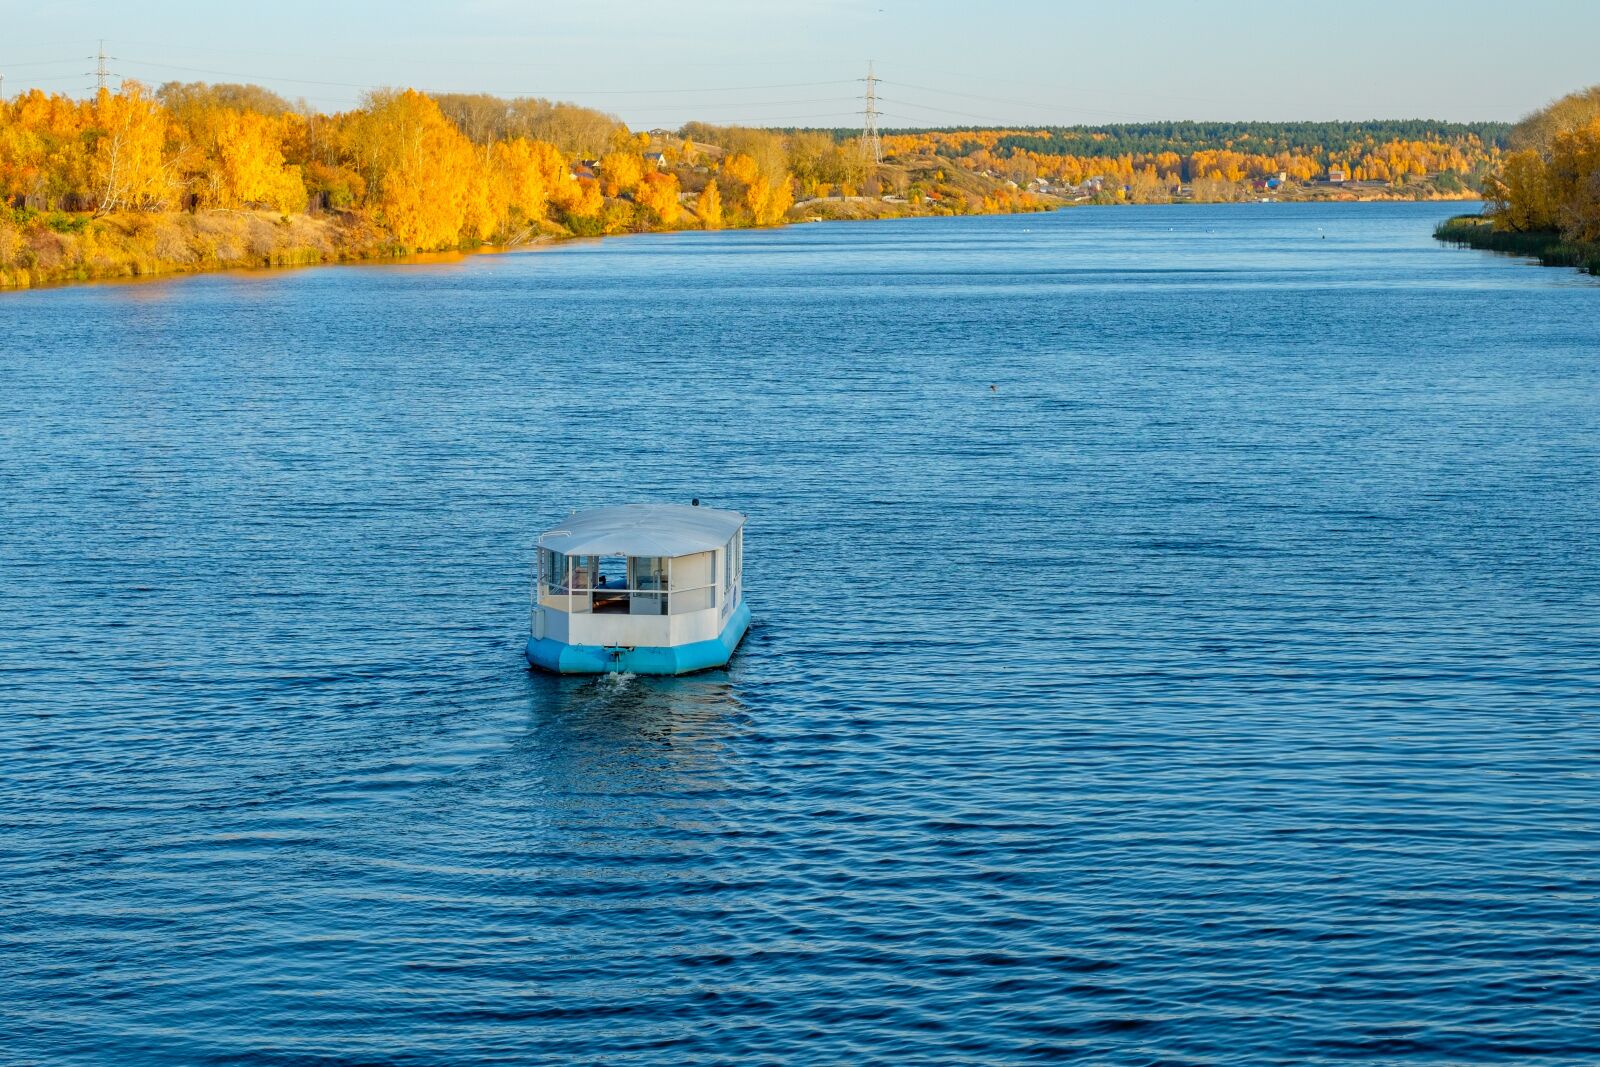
(639,587)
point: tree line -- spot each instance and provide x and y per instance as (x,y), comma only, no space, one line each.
(432,171)
(1226,153)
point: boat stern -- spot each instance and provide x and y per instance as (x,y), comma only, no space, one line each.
(558,657)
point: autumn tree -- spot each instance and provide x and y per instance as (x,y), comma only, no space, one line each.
(1553,183)
(658,193)
(1575,181)
(44,154)
(531,171)
(247,160)
(126,169)
(620,170)
(1520,195)
(708,205)
(425,182)
(577,132)
(768,200)
(1538,132)
(184,99)
(578,198)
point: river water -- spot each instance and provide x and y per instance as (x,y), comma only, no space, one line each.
(1177,641)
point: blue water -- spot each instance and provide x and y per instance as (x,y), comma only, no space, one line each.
(1223,686)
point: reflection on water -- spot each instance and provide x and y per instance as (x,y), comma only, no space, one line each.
(616,736)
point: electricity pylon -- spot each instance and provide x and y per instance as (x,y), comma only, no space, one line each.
(870,143)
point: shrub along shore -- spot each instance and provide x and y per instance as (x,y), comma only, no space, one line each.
(38,249)
(74,248)
(1545,200)
(1547,246)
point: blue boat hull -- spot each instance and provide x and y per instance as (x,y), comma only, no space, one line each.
(561,658)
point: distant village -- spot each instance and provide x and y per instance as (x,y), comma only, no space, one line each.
(1098,187)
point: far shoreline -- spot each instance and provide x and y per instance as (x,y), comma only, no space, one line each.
(555,241)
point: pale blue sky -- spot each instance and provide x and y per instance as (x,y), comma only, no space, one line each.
(796,62)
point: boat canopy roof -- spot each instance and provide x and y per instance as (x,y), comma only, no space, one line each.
(642,530)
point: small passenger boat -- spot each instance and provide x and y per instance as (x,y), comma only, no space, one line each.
(639,588)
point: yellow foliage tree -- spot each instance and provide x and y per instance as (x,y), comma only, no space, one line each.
(531,170)
(425,180)
(1554,184)
(740,168)
(43,156)
(126,169)
(768,200)
(1521,193)
(250,166)
(659,193)
(621,171)
(578,198)
(708,205)
(1575,170)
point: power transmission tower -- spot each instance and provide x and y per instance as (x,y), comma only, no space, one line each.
(101,74)
(870,143)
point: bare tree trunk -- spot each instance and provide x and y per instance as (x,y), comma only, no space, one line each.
(111,196)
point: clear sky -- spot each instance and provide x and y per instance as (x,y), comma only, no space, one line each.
(798,62)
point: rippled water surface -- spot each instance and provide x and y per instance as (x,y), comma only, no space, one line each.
(1221,686)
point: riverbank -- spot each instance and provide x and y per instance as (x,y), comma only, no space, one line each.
(1547,246)
(58,248)
(55,248)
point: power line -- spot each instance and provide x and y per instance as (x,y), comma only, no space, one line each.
(1018,103)
(55,78)
(941,110)
(1119,92)
(788,118)
(541,93)
(41,63)
(743,103)
(871,114)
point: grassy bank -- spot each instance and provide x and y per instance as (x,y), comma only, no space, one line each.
(49,248)
(1547,246)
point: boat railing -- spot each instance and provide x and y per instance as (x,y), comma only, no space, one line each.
(675,599)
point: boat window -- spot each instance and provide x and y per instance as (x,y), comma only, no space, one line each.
(583,574)
(553,571)
(693,582)
(608,583)
(647,580)
(727,571)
